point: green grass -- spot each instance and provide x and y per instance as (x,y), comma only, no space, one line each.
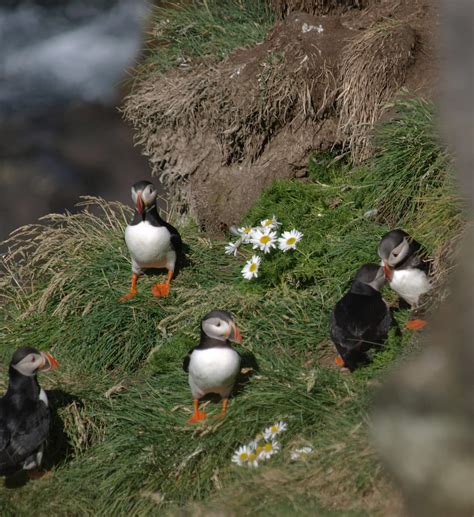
(131,452)
(204,30)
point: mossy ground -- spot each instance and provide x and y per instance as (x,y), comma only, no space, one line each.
(120,444)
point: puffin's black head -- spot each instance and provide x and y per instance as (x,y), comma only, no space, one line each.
(28,361)
(143,195)
(371,274)
(219,324)
(394,248)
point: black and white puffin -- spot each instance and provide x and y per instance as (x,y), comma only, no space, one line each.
(151,241)
(361,318)
(24,412)
(406,268)
(213,365)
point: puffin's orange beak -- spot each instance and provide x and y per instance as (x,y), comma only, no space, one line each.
(49,362)
(235,335)
(139,203)
(387,271)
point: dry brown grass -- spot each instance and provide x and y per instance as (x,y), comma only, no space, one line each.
(51,251)
(373,68)
(281,8)
(242,113)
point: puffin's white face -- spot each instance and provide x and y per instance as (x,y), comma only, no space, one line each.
(399,253)
(219,328)
(144,198)
(33,362)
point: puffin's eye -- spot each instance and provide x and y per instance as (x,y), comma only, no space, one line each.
(218,324)
(33,359)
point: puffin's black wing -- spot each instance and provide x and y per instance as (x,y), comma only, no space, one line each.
(187,359)
(22,434)
(175,239)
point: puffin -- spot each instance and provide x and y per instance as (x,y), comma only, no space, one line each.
(361,319)
(213,365)
(24,413)
(406,268)
(151,241)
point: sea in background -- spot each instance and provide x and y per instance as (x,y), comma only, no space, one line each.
(63,71)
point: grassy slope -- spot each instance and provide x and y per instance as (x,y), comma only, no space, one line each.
(131,452)
(207,30)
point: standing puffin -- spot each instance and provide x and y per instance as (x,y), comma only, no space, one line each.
(213,365)
(361,319)
(406,268)
(24,413)
(151,241)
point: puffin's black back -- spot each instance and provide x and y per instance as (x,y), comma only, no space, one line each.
(24,419)
(360,320)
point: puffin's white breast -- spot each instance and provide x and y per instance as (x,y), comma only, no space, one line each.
(148,244)
(43,397)
(410,284)
(213,370)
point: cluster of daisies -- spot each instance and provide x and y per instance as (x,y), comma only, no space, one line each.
(264,238)
(264,446)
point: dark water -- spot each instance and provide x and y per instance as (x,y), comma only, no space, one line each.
(62,65)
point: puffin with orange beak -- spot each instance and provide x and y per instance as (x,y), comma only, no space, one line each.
(151,241)
(406,269)
(24,413)
(213,365)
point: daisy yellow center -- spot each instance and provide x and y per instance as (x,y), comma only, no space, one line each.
(264,239)
(243,456)
(252,456)
(267,223)
(268,447)
(253,267)
(291,241)
(259,449)
(259,436)
(274,428)
(247,230)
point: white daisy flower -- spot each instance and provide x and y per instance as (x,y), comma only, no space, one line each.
(288,240)
(274,430)
(258,437)
(242,455)
(268,449)
(253,460)
(232,248)
(264,239)
(301,454)
(270,223)
(245,233)
(250,269)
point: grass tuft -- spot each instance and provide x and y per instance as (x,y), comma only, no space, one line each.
(373,68)
(189,32)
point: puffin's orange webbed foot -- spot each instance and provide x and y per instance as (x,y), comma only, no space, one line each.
(39,474)
(128,296)
(415,324)
(133,289)
(197,415)
(339,361)
(160,290)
